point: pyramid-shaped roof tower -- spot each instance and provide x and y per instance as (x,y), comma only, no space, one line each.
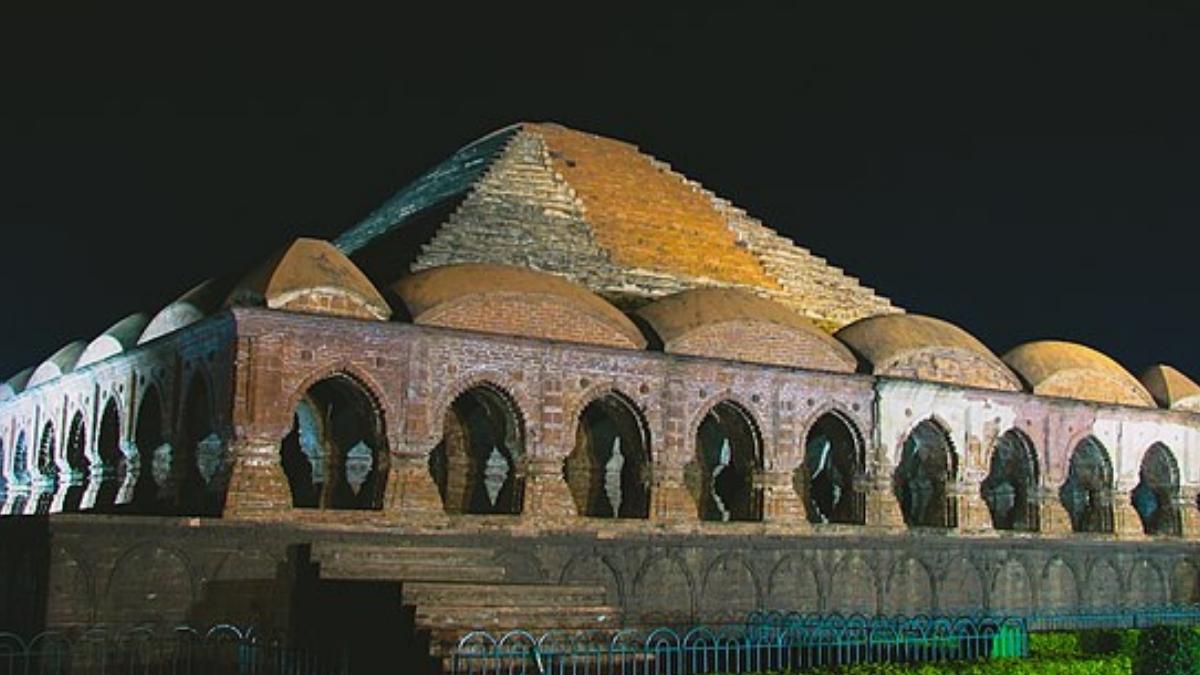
(601,213)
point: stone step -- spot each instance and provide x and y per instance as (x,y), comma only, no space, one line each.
(446,625)
(475,594)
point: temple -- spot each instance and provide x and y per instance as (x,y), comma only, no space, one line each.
(553,383)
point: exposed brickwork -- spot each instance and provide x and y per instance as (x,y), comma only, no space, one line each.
(758,342)
(531,315)
(601,213)
(949,366)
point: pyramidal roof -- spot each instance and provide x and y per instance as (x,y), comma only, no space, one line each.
(601,213)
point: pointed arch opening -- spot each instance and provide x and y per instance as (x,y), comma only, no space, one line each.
(21,458)
(1010,489)
(729,453)
(201,454)
(336,454)
(478,466)
(925,477)
(1156,495)
(113,465)
(1087,492)
(833,457)
(47,446)
(153,451)
(608,472)
(77,458)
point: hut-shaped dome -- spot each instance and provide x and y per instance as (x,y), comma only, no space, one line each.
(734,324)
(15,384)
(925,348)
(60,363)
(514,301)
(1170,388)
(120,336)
(188,309)
(312,276)
(1070,370)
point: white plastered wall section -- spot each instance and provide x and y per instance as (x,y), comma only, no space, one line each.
(975,418)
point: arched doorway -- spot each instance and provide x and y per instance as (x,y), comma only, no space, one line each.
(1157,492)
(832,459)
(1087,492)
(928,469)
(153,452)
(335,456)
(20,459)
(729,452)
(608,472)
(201,449)
(1010,489)
(46,466)
(77,447)
(113,466)
(477,466)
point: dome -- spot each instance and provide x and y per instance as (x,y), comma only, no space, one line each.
(15,384)
(188,309)
(601,213)
(1070,370)
(925,348)
(60,363)
(1170,388)
(120,336)
(735,324)
(514,301)
(311,276)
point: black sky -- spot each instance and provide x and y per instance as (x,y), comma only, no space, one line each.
(1025,175)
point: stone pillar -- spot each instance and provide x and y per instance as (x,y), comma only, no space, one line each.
(548,502)
(1127,524)
(783,506)
(671,501)
(1189,513)
(882,508)
(411,496)
(1054,517)
(258,488)
(973,513)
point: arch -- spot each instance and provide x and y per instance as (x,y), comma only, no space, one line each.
(201,447)
(1087,492)
(960,589)
(1147,585)
(1011,590)
(77,458)
(1103,585)
(729,456)
(336,454)
(730,589)
(1185,583)
(923,478)
(1156,496)
(479,464)
(47,448)
(153,450)
(1059,588)
(608,472)
(149,583)
(1010,489)
(853,589)
(833,457)
(793,587)
(20,458)
(108,441)
(662,591)
(593,569)
(909,588)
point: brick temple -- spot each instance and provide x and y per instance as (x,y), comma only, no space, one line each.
(554,384)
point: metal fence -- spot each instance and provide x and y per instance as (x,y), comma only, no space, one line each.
(766,642)
(180,650)
(1094,618)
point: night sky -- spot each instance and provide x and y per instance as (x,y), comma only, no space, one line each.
(1023,175)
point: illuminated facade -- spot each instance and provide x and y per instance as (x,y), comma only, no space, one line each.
(568,365)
